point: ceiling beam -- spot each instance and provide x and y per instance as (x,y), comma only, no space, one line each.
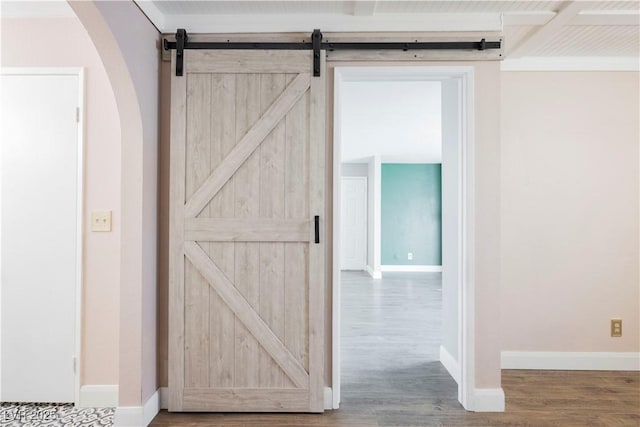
(607,17)
(363,7)
(154,14)
(550,29)
(528,18)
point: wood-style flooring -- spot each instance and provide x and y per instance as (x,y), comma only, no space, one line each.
(391,375)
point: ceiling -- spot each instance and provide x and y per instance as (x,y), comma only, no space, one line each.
(400,121)
(531,29)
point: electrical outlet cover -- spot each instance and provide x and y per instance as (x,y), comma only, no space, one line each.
(616,327)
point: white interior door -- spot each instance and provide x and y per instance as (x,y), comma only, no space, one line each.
(38,237)
(353,209)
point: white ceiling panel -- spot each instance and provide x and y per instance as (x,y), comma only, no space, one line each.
(618,40)
(614,5)
(464,6)
(241,7)
(226,7)
(513,35)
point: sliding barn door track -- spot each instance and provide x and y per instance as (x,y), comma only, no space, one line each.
(316,44)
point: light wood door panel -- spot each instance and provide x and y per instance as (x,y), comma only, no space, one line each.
(247,179)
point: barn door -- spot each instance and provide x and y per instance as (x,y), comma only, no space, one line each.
(247,181)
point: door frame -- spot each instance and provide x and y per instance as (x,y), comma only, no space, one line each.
(77,72)
(366,220)
(377,71)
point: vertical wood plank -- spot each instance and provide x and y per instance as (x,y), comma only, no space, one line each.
(316,251)
(296,254)
(296,303)
(177,199)
(297,159)
(272,206)
(222,319)
(198,156)
(247,255)
(271,307)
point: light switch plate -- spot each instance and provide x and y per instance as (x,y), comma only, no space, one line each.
(101,221)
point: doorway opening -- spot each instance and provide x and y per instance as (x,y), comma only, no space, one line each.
(402,174)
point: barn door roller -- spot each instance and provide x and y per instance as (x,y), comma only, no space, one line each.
(316,41)
(181,41)
(317,45)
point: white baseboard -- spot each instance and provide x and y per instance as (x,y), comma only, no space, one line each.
(571,361)
(412,268)
(137,416)
(98,396)
(450,364)
(488,400)
(164,397)
(373,273)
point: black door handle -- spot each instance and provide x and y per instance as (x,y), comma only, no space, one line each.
(316,220)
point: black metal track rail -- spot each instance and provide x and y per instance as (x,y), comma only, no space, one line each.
(317,45)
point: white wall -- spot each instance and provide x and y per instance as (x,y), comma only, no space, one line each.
(450,206)
(374,178)
(354,169)
(570,194)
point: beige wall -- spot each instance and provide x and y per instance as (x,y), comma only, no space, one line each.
(37,43)
(139,42)
(486,277)
(128,45)
(569,210)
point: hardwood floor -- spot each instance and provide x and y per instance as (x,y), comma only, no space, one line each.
(391,375)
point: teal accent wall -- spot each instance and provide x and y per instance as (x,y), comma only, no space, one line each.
(411,214)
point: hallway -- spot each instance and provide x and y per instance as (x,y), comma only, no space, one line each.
(391,334)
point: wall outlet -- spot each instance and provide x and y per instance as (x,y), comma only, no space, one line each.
(410,256)
(616,327)
(101,221)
